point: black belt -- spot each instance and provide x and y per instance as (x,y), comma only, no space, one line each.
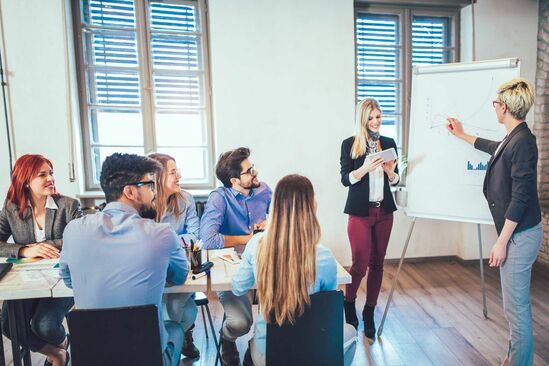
(374,204)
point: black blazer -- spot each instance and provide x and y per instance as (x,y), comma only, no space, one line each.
(359,193)
(23,230)
(510,184)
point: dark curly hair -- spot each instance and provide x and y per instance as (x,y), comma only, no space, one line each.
(228,165)
(119,170)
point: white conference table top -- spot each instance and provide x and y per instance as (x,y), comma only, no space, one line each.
(41,279)
(28,281)
(223,271)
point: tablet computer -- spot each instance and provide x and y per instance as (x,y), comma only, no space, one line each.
(386,155)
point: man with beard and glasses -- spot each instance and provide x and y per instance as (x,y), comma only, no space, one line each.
(232,214)
(120,257)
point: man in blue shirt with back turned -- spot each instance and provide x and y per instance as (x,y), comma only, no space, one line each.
(230,217)
(119,257)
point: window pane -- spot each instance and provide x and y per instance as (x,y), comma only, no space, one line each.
(378,63)
(174,52)
(100,153)
(377,30)
(173,17)
(177,91)
(180,129)
(116,126)
(430,37)
(191,161)
(114,88)
(388,95)
(109,13)
(112,48)
(389,125)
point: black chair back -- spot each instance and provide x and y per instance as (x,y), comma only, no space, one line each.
(115,337)
(316,338)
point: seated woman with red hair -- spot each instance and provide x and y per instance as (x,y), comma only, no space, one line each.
(35,216)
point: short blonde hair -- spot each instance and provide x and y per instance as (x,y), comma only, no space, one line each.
(518,96)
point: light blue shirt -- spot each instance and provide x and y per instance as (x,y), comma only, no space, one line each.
(245,279)
(116,258)
(188,222)
(229,212)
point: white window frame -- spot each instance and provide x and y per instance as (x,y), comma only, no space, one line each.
(144,52)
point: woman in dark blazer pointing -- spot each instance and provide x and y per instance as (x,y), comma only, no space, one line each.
(370,207)
(510,187)
(35,216)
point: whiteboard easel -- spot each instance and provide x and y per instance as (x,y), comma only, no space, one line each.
(464,91)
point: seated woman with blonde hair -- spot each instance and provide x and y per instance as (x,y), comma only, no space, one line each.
(288,252)
(176,207)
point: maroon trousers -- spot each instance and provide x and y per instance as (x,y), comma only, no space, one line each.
(369,237)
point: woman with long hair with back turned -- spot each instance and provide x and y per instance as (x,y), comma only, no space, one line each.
(35,216)
(287,252)
(370,207)
(176,207)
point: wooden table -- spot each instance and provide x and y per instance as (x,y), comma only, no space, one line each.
(223,271)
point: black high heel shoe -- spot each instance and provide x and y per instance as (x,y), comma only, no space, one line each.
(369,323)
(350,313)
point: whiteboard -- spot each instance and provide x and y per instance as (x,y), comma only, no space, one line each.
(445,175)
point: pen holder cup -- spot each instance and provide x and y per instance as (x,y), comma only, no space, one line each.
(195,258)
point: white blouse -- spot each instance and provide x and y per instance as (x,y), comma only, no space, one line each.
(40,233)
(376,183)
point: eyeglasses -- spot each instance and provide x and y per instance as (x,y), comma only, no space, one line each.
(251,170)
(494,102)
(150,183)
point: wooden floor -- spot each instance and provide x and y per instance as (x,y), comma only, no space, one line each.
(435,319)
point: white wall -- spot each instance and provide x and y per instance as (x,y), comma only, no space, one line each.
(4,154)
(37,81)
(283,84)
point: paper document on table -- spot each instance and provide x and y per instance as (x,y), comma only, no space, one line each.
(29,276)
(228,255)
(43,264)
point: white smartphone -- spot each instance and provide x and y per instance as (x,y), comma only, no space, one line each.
(386,155)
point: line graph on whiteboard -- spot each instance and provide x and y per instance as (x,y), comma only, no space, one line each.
(437,115)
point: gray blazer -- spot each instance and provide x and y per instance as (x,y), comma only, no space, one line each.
(23,230)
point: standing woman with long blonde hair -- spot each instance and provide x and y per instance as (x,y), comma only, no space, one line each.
(176,207)
(287,252)
(370,206)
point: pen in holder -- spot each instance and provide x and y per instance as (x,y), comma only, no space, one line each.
(196,258)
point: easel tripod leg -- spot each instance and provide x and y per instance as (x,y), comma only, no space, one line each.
(484,307)
(395,280)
